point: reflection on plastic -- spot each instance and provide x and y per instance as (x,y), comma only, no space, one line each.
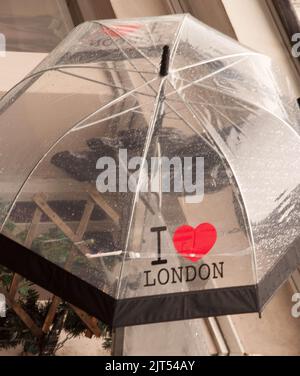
(2,306)
(2,45)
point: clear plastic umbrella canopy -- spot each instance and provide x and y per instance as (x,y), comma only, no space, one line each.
(150,172)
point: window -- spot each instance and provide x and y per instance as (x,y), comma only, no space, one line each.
(286,14)
(296,6)
(34,25)
(30,29)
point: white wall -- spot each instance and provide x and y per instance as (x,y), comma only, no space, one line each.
(15,66)
(140,8)
(255,28)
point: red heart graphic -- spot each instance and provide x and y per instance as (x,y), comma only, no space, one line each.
(194,244)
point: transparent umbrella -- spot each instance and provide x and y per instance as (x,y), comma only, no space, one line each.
(150,172)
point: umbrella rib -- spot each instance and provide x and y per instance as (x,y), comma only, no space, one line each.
(204,62)
(177,40)
(193,113)
(193,129)
(130,61)
(251,237)
(223,115)
(55,68)
(203,103)
(69,131)
(197,110)
(57,142)
(127,41)
(151,37)
(112,103)
(134,66)
(210,75)
(91,80)
(87,66)
(250,103)
(229,120)
(59,67)
(201,79)
(109,117)
(145,152)
(104,83)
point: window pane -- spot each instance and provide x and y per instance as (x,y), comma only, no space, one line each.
(296,6)
(34,25)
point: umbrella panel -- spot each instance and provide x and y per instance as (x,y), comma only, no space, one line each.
(230,261)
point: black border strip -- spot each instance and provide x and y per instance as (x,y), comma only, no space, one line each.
(186,306)
(125,312)
(150,309)
(208,303)
(58,281)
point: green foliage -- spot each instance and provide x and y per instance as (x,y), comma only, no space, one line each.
(106,336)
(14,332)
(53,245)
(5,276)
(73,325)
(9,226)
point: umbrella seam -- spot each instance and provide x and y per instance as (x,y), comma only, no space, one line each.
(60,139)
(246,213)
(111,117)
(124,39)
(177,40)
(146,149)
(246,54)
(252,104)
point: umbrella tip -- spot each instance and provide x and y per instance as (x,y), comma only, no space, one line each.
(165,60)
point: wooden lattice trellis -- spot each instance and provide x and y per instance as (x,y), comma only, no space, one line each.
(76,238)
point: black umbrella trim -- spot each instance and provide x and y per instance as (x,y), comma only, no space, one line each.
(148,309)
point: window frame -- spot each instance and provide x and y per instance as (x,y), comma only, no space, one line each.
(288,23)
